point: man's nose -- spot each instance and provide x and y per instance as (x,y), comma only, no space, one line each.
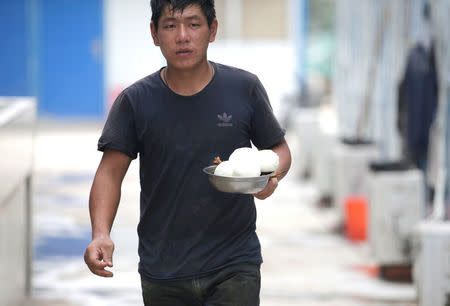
(182,34)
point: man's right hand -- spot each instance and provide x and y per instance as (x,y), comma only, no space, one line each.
(98,256)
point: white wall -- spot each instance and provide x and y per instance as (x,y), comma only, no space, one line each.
(272,61)
(129,51)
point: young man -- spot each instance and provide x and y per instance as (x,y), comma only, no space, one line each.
(197,246)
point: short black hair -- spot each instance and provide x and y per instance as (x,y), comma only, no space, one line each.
(158,6)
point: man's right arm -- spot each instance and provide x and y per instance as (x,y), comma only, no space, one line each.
(103,203)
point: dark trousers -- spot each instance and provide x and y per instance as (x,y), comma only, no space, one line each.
(237,285)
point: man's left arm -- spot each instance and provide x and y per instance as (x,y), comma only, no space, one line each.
(284,153)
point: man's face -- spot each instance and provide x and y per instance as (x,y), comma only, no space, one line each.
(184,36)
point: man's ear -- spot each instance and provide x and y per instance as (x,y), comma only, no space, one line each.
(213,30)
(154,34)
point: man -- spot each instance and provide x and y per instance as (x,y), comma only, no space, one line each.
(197,246)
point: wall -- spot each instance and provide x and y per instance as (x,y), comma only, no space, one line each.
(129,51)
(17,117)
(13,260)
(15,56)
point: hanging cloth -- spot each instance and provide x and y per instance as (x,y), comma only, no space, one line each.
(417,104)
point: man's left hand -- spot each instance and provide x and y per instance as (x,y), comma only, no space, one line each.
(268,190)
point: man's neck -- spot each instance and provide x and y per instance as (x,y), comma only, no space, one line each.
(188,82)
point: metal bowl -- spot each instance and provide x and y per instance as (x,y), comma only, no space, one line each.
(245,185)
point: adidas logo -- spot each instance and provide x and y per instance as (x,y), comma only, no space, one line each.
(225,120)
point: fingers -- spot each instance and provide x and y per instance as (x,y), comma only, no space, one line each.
(108,259)
(96,265)
(98,268)
(268,190)
(98,256)
(102,272)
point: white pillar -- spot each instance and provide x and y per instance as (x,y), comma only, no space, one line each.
(233,19)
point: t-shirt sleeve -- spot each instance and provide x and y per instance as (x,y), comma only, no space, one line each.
(266,131)
(119,132)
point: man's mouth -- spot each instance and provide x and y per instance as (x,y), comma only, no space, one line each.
(182,52)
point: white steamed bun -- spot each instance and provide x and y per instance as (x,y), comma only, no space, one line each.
(248,162)
(225,168)
(246,168)
(241,154)
(268,160)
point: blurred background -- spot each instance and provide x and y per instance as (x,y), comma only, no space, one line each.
(362,87)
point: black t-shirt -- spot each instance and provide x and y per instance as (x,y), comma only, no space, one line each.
(187,228)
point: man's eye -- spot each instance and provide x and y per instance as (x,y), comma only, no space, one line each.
(169,26)
(194,25)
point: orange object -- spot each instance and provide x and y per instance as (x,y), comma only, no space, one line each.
(373,271)
(356,218)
